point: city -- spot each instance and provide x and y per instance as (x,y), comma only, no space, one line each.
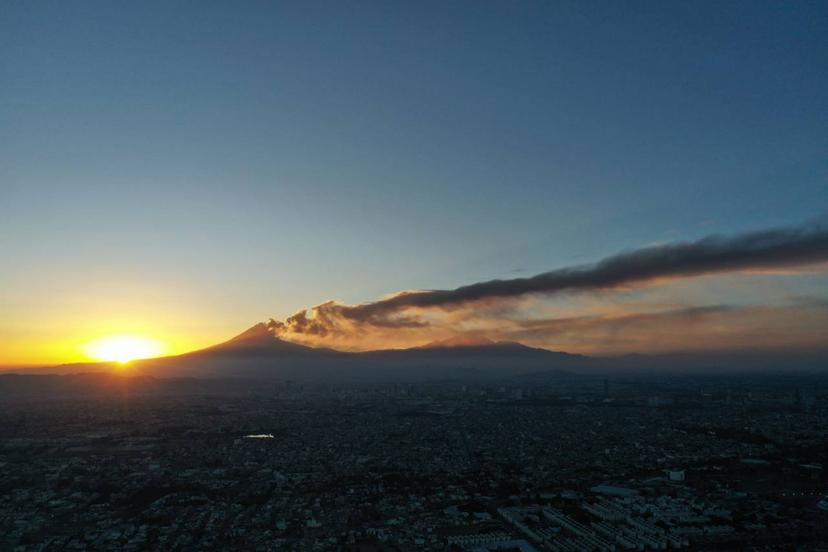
(580,463)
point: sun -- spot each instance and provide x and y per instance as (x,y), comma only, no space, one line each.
(124,348)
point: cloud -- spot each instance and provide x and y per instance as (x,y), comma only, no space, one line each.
(709,327)
(411,313)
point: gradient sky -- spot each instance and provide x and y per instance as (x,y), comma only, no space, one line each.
(186,169)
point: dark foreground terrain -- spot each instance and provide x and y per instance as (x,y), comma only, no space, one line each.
(578,463)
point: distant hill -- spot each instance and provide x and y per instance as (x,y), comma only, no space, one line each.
(257,354)
(257,341)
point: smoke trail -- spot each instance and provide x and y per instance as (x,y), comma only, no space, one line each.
(767,249)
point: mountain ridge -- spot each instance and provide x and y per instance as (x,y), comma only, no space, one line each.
(258,354)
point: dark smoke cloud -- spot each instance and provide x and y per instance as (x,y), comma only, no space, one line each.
(769,249)
(332,318)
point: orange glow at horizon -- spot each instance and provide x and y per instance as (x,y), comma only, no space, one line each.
(124,348)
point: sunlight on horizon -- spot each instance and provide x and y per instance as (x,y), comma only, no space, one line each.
(124,348)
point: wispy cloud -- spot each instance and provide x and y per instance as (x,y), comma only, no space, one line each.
(708,327)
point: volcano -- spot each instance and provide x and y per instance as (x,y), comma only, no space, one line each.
(256,354)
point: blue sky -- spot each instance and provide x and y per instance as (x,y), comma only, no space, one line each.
(216,163)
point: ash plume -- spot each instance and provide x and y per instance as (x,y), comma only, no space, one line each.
(772,249)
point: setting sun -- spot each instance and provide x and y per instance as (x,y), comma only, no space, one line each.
(124,348)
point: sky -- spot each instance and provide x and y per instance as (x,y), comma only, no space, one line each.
(183,170)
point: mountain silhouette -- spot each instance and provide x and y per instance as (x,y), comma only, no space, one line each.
(257,354)
(256,341)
